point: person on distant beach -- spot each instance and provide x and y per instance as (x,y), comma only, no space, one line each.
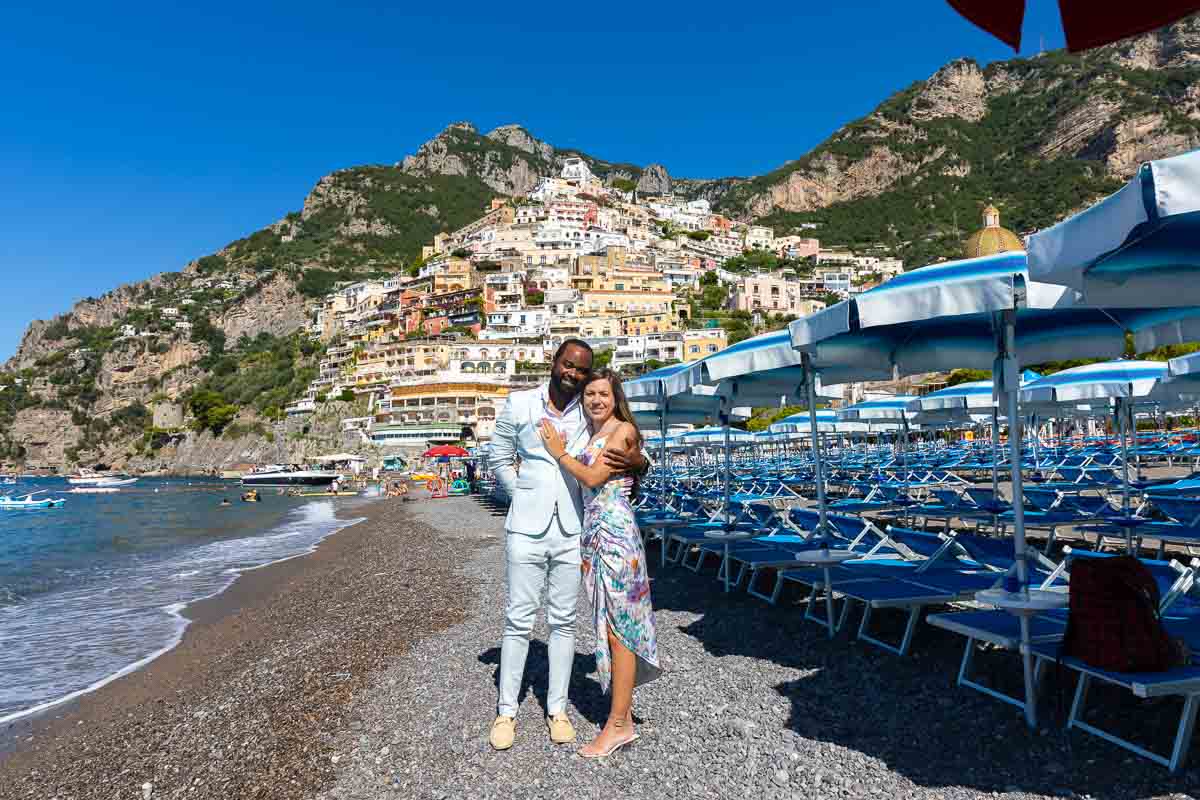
(614,559)
(542,532)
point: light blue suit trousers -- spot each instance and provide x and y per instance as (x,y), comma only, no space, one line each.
(551,562)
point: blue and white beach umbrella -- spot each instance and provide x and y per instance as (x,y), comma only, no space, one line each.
(657,384)
(971,394)
(763,370)
(826,419)
(1182,386)
(1184,366)
(1119,378)
(1136,247)
(885,408)
(715,434)
(980,313)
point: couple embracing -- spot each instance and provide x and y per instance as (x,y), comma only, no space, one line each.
(580,458)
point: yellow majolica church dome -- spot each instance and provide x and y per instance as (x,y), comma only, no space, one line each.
(991,238)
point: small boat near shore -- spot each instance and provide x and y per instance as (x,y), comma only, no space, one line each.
(87,477)
(278,475)
(23,502)
(94,490)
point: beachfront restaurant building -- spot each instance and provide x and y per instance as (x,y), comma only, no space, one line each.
(415,414)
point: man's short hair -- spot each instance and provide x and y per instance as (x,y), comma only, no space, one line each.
(567,343)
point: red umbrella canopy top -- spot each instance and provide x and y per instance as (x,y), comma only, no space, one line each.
(446,450)
(1086,23)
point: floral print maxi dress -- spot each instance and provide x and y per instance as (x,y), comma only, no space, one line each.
(614,574)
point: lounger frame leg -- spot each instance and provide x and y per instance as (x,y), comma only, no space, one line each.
(828,622)
(914,614)
(1183,733)
(752,583)
(681,548)
(964,679)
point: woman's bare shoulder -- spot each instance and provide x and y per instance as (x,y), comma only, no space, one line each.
(625,433)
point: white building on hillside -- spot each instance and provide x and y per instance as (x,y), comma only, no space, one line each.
(523,323)
(759,237)
(562,302)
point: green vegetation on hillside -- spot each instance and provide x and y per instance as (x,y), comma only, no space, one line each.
(763,417)
(414,209)
(264,373)
(957,165)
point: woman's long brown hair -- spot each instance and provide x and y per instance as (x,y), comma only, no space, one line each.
(620,405)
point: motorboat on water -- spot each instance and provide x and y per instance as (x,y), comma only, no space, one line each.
(22,502)
(87,477)
(285,475)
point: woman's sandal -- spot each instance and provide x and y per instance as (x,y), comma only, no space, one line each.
(610,750)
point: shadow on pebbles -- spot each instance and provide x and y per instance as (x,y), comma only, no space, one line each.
(754,703)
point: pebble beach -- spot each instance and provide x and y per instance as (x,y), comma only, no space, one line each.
(367,669)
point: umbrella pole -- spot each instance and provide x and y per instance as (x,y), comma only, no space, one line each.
(662,434)
(995,450)
(728,515)
(818,474)
(1008,375)
(1033,421)
(1122,408)
(728,510)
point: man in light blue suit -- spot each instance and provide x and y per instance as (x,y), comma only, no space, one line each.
(542,533)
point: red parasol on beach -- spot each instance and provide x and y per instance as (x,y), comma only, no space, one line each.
(446,451)
(1086,23)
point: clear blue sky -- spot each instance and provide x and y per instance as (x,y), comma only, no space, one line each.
(134,138)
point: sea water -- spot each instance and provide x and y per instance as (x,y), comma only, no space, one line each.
(95,589)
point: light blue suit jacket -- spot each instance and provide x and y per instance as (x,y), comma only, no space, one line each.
(542,485)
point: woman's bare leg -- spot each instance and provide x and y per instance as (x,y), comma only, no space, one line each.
(620,717)
(624,668)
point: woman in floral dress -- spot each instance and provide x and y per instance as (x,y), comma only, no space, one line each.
(614,561)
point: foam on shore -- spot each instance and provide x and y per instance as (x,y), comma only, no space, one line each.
(65,644)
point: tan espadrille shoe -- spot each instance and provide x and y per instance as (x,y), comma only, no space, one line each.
(504,730)
(561,729)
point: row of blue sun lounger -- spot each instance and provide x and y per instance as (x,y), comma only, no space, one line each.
(913,570)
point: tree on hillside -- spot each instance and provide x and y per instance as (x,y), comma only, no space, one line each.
(763,417)
(967,375)
(713,296)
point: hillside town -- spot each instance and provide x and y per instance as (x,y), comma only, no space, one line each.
(646,280)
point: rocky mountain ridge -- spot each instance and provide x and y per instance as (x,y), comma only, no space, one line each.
(1040,137)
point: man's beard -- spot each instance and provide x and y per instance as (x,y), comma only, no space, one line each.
(567,385)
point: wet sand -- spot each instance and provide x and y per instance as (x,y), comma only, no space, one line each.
(247,705)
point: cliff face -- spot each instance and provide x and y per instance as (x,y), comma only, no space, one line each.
(1101,113)
(292,441)
(276,308)
(508,160)
(45,434)
(1039,137)
(132,372)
